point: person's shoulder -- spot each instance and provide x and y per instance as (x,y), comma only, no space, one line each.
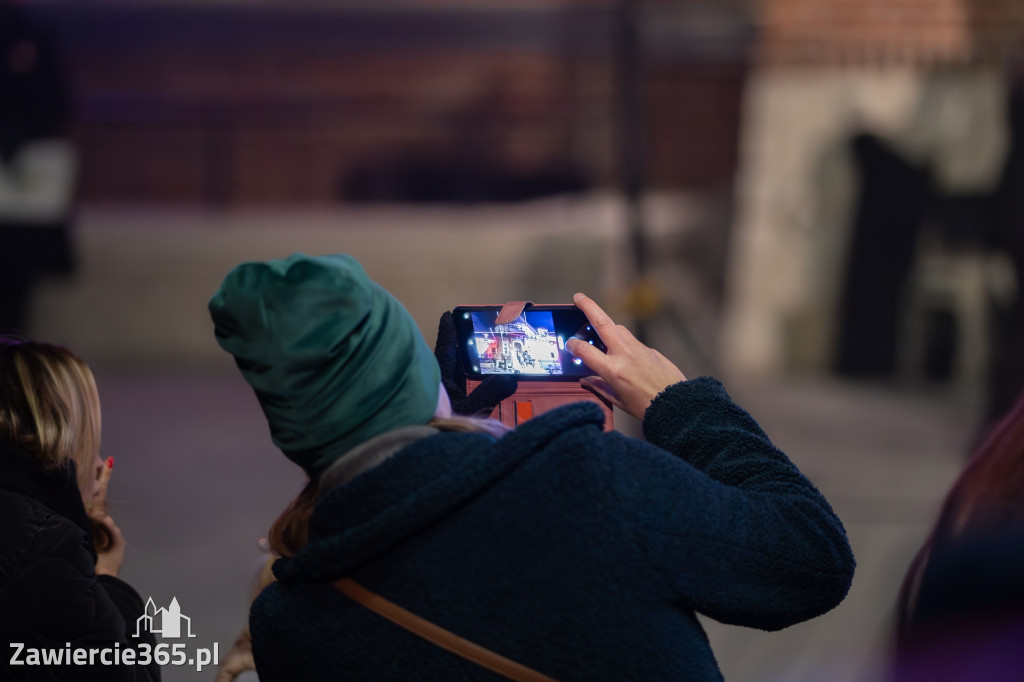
(23,515)
(32,531)
(45,567)
(575,418)
(14,505)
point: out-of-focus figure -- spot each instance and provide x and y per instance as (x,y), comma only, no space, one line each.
(960,614)
(60,550)
(37,162)
(1006,374)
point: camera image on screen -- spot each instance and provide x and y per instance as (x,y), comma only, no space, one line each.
(532,346)
(527,345)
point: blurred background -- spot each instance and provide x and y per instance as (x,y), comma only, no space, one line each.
(818,201)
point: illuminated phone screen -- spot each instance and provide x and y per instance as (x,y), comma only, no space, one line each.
(531,346)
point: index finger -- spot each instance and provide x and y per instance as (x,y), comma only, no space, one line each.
(105,474)
(599,320)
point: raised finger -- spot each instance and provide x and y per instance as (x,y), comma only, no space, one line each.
(105,474)
(603,325)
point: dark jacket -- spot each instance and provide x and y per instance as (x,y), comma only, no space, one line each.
(967,620)
(579,553)
(50,594)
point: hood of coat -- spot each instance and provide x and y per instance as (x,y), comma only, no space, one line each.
(414,489)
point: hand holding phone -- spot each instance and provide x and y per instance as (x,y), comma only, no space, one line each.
(483,398)
(630,374)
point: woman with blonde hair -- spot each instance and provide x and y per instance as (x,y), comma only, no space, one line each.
(60,551)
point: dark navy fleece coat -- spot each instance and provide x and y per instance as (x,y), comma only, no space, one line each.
(579,553)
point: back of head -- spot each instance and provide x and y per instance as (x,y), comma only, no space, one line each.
(49,405)
(333,357)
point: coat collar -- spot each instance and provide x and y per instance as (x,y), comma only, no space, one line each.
(22,473)
(370,454)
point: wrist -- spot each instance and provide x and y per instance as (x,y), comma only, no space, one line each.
(672,408)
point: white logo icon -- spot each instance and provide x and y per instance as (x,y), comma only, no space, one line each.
(163,622)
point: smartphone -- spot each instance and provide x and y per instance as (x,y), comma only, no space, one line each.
(531,347)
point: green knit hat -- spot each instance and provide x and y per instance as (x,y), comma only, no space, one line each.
(333,357)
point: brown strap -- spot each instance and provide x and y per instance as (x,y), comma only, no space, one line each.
(511,311)
(438,635)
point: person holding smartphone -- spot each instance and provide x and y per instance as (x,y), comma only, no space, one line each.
(554,550)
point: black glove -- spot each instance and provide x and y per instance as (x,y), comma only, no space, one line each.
(485,397)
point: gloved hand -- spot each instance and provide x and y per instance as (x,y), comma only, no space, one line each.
(485,397)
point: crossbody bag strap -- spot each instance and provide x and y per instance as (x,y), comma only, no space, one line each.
(433,633)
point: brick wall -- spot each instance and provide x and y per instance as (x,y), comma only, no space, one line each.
(915,32)
(288,105)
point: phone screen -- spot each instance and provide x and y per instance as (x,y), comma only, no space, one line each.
(531,346)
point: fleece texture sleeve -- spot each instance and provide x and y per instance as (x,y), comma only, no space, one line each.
(736,532)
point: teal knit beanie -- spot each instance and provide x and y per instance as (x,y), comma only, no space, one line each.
(333,357)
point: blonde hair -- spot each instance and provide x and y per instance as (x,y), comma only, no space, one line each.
(49,405)
(460,424)
(290,532)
